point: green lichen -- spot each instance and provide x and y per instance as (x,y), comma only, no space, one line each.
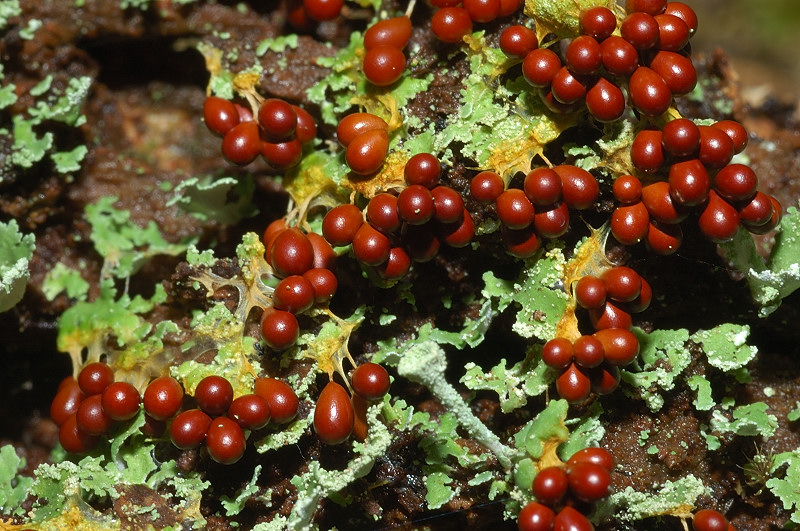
(500,124)
(16,250)
(770,283)
(545,430)
(65,279)
(785,488)
(495,131)
(702,387)
(425,362)
(67,486)
(725,346)
(29,31)
(8,9)
(124,245)
(794,415)
(234,506)
(319,483)
(664,357)
(13,486)
(749,420)
(561,18)
(538,293)
(277,44)
(675,498)
(225,200)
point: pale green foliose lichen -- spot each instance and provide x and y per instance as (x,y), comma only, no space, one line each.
(277,44)
(664,357)
(785,488)
(490,119)
(124,245)
(319,483)
(126,462)
(538,292)
(16,250)
(234,506)
(425,363)
(750,420)
(226,200)
(64,279)
(8,9)
(779,277)
(13,486)
(675,498)
(704,400)
(725,346)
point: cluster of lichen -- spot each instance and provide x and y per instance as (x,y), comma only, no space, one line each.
(502,129)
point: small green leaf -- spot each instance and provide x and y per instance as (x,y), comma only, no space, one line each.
(58,484)
(481,478)
(195,257)
(725,346)
(227,200)
(546,428)
(13,488)
(524,474)
(234,506)
(539,293)
(704,400)
(42,86)
(28,32)
(16,250)
(663,358)
(28,147)
(64,279)
(68,106)
(277,44)
(675,498)
(769,283)
(786,488)
(8,9)
(8,96)
(588,432)
(513,385)
(69,161)
(749,420)
(334,92)
(438,491)
(794,415)
(124,245)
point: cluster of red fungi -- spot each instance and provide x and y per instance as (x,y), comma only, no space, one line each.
(687,168)
(338,414)
(681,168)
(277,133)
(404,227)
(304,262)
(86,408)
(564,493)
(591,362)
(649,58)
